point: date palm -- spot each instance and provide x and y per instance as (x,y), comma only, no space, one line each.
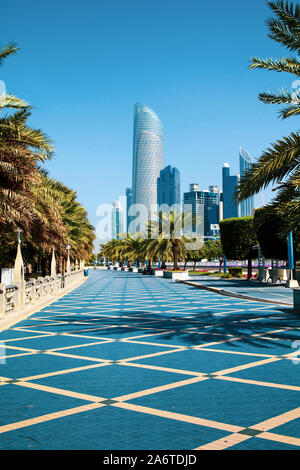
(280,164)
(46,210)
(22,149)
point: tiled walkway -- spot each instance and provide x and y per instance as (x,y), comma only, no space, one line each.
(127,361)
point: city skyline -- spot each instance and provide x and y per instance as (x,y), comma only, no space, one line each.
(188,92)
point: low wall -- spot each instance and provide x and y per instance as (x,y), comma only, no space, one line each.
(22,295)
(180,275)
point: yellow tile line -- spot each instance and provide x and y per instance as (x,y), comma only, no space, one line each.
(271,423)
(256,382)
(49,417)
(150,334)
(18,348)
(162,388)
(77,346)
(226,351)
(63,371)
(17,355)
(163,369)
(246,366)
(152,344)
(280,438)
(29,337)
(75,356)
(278,420)
(154,354)
(224,442)
(238,338)
(178,417)
(60,391)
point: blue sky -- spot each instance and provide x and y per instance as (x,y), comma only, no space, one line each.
(83,65)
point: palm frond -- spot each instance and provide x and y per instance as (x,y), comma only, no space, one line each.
(11,101)
(275,164)
(291,66)
(5,51)
(286,28)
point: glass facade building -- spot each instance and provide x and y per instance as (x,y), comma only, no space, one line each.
(116,220)
(230,182)
(246,206)
(168,186)
(205,208)
(148,160)
(128,204)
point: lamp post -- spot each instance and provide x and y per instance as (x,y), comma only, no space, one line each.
(19,266)
(53,263)
(68,247)
(291,282)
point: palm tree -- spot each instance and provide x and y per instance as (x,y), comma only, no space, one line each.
(46,210)
(22,149)
(280,164)
(174,221)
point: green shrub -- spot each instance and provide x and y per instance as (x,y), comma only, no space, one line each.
(236,272)
(225,275)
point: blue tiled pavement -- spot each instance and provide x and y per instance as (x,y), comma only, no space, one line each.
(127,362)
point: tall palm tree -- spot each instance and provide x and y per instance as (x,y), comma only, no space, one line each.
(174,223)
(22,149)
(280,164)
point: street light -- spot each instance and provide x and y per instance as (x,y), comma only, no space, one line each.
(19,231)
(68,259)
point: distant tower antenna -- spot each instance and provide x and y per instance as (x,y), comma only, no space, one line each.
(263,199)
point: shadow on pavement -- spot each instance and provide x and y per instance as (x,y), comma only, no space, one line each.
(243,325)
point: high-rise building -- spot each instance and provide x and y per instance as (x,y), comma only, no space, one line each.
(116,220)
(128,204)
(193,205)
(230,182)
(168,187)
(148,160)
(205,207)
(246,206)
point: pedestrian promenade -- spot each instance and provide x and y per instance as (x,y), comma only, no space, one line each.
(129,362)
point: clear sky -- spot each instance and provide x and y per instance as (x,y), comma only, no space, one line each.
(83,65)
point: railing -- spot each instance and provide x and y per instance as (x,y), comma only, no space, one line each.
(18,296)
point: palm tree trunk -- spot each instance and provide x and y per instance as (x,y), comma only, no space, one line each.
(175,254)
(249,273)
(163,264)
(60,268)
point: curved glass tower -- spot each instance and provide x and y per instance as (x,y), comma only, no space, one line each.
(148,160)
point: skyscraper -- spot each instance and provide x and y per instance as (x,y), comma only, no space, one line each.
(246,206)
(116,220)
(148,160)
(230,182)
(194,205)
(168,186)
(205,205)
(128,204)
